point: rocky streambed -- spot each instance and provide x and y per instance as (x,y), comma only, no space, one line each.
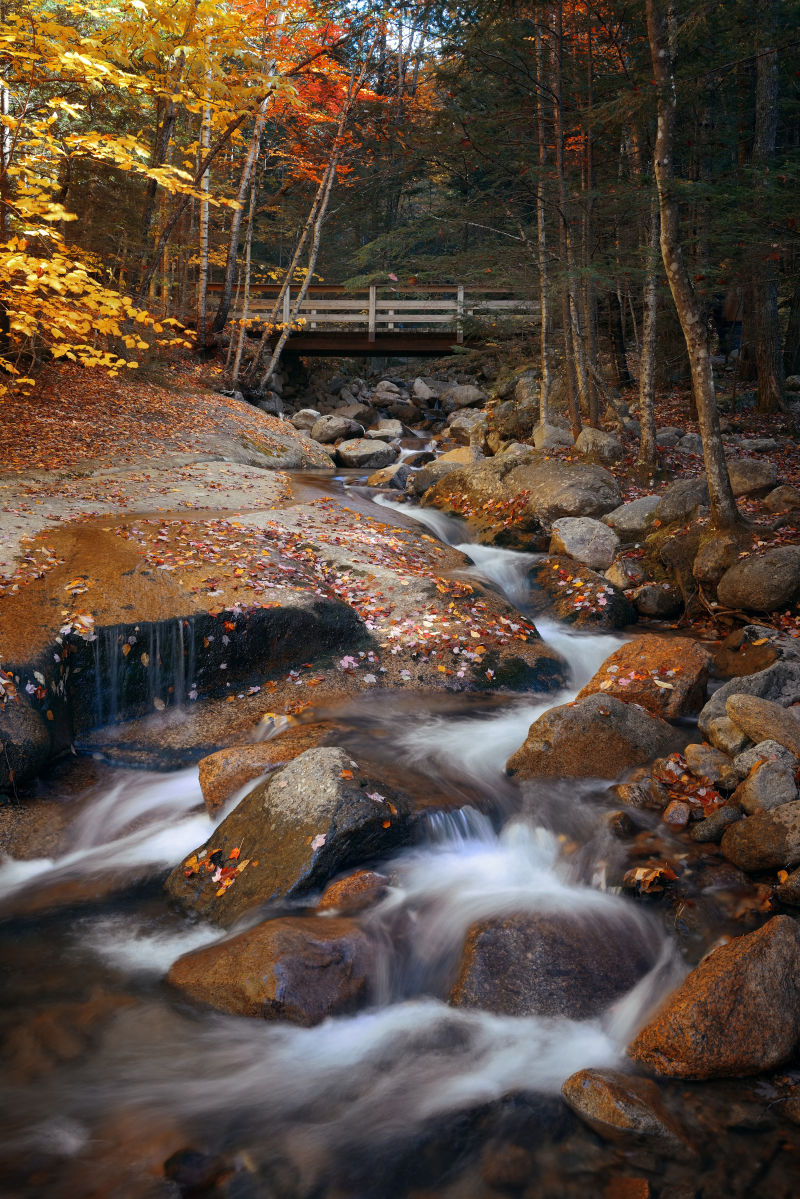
(471,894)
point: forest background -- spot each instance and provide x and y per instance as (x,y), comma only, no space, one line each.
(150,147)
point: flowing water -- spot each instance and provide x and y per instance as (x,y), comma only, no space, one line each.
(346,1104)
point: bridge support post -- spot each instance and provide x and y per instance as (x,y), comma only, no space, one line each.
(460,312)
(287,305)
(372,298)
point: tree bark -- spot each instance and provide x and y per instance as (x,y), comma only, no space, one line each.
(648,452)
(202,277)
(791,344)
(662,33)
(575,392)
(541,228)
(766,320)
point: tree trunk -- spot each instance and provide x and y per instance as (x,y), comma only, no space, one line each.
(567,302)
(202,278)
(766,321)
(662,29)
(541,228)
(248,257)
(791,344)
(648,452)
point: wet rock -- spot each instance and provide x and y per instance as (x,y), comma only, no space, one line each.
(752,476)
(736,1013)
(354,893)
(625,573)
(763,582)
(320,814)
(550,964)
(401,408)
(595,737)
(331,428)
(765,841)
(712,829)
(306,418)
(618,1106)
(658,600)
(297,968)
(642,791)
(429,475)
(550,437)
(783,499)
(769,786)
(598,446)
(24,743)
(462,395)
(706,762)
(718,554)
(666,675)
(681,499)
(538,490)
(588,541)
(764,751)
(582,597)
(764,720)
(225,772)
(725,736)
(465,455)
(632,521)
(364,454)
(396,476)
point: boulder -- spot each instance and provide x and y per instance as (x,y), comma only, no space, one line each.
(386,389)
(511,421)
(765,841)
(681,499)
(718,554)
(793,383)
(354,893)
(363,454)
(587,540)
(763,751)
(362,414)
(396,476)
(763,582)
(465,455)
(320,814)
(625,573)
(423,391)
(298,968)
(306,418)
(789,890)
(712,829)
(385,430)
(668,437)
(665,675)
(736,1013)
(752,476)
(598,446)
(467,426)
(746,651)
(582,597)
(594,737)
(706,762)
(331,428)
(658,600)
(551,437)
(783,499)
(431,474)
(780,681)
(25,744)
(632,521)
(769,786)
(725,736)
(759,445)
(620,1107)
(690,443)
(225,772)
(764,720)
(462,395)
(403,409)
(550,964)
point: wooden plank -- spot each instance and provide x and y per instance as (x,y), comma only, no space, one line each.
(372,296)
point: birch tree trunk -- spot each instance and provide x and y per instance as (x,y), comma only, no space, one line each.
(248,257)
(205,183)
(662,33)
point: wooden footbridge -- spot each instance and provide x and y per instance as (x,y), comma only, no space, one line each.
(387,321)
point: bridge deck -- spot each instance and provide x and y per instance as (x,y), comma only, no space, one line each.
(386,321)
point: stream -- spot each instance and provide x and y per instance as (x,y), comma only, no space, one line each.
(104,1066)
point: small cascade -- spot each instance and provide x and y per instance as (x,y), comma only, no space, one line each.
(135,669)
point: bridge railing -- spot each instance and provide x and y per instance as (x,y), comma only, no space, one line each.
(372,313)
